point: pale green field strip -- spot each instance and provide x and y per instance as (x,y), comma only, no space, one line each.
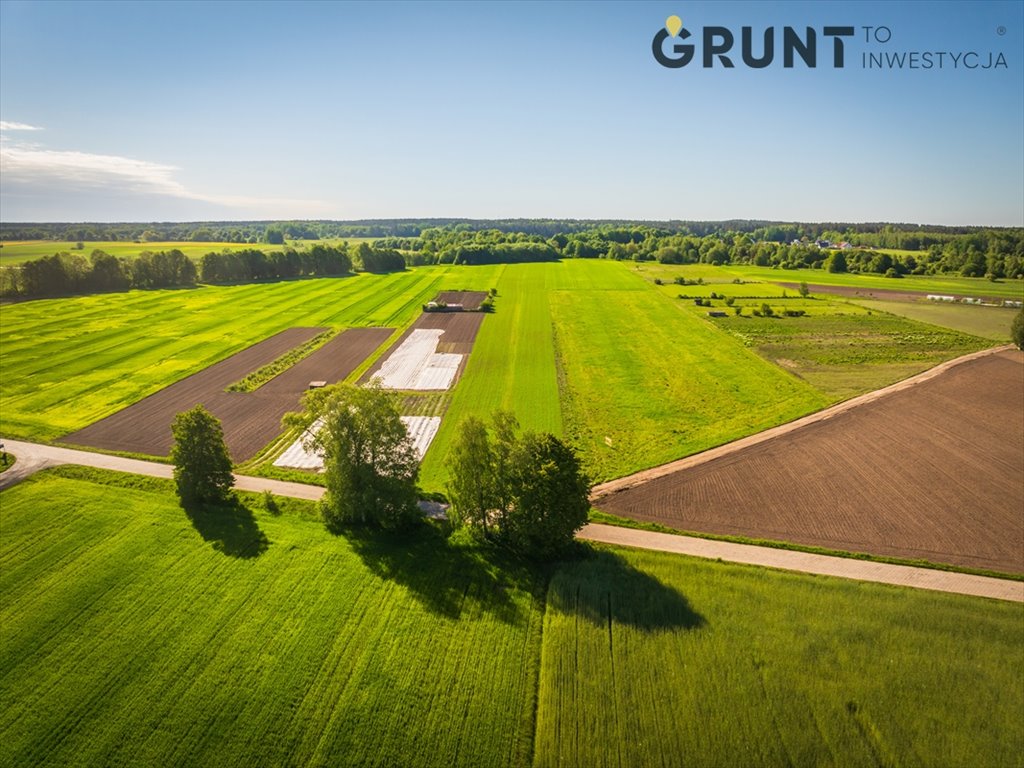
(657,383)
(132,636)
(987,322)
(511,367)
(724,664)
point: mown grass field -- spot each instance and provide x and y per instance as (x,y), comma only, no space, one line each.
(651,659)
(18,251)
(646,381)
(132,635)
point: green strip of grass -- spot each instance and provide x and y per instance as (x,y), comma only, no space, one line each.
(258,378)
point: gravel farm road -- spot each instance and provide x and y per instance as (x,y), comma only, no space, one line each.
(33,457)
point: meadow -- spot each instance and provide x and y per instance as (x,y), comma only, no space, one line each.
(136,635)
(591,350)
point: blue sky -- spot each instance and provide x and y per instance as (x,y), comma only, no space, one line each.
(187,110)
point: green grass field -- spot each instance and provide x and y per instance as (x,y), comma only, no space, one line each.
(69,362)
(648,657)
(586,349)
(985,322)
(657,382)
(132,635)
(18,251)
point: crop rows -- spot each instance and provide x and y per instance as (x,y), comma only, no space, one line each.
(128,639)
(69,362)
(652,659)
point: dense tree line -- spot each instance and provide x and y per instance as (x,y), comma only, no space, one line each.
(253,264)
(526,491)
(971,252)
(66,273)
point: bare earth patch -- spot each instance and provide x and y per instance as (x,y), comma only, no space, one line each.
(250,419)
(932,470)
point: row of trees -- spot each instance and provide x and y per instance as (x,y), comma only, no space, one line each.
(525,491)
(869,234)
(66,273)
(70,273)
(253,264)
(996,253)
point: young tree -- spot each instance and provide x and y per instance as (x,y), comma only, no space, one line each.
(370,466)
(202,466)
(471,469)
(1017,329)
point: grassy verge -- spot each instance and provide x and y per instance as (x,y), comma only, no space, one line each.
(597,516)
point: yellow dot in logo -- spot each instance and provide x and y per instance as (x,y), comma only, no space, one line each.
(673,24)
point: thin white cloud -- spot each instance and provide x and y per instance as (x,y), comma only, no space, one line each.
(31,165)
(7,126)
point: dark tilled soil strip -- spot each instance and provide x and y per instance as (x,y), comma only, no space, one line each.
(934,472)
(470,300)
(250,419)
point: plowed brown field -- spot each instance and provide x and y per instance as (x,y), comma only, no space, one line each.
(932,472)
(250,419)
(470,300)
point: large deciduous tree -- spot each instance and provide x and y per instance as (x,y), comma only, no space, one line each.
(202,466)
(528,492)
(370,466)
(551,497)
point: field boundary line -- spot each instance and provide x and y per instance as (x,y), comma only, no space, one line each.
(602,490)
(807,562)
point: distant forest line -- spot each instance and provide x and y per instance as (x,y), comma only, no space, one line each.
(995,253)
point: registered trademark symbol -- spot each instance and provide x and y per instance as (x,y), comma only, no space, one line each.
(1000,31)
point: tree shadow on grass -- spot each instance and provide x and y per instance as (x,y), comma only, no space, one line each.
(450,578)
(603,588)
(229,526)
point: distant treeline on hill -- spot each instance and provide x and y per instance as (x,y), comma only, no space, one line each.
(970,252)
(67,274)
(880,235)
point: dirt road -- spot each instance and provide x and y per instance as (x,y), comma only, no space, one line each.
(32,457)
